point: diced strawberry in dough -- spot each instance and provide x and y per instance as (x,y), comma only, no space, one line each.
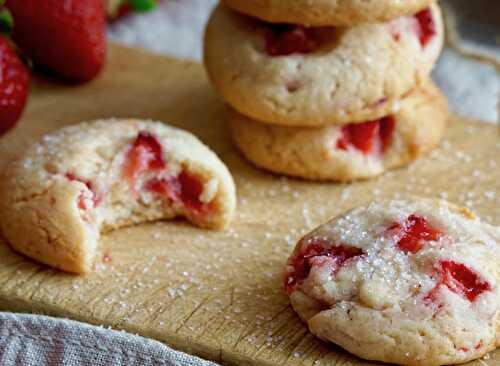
(284,40)
(81,198)
(186,188)
(308,257)
(423,25)
(427,26)
(168,188)
(386,130)
(370,137)
(146,154)
(191,190)
(413,233)
(459,279)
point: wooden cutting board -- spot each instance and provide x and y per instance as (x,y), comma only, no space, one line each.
(217,294)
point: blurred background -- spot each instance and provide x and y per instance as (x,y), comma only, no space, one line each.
(468,71)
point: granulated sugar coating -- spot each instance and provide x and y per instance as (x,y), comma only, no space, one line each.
(420,274)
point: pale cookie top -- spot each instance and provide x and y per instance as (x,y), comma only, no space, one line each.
(327,12)
(291,75)
(101,175)
(411,282)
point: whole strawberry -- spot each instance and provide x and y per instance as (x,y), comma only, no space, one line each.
(14,80)
(65,37)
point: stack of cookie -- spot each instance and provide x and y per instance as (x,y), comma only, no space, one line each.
(328,90)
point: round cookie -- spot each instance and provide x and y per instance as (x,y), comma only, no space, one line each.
(317,13)
(98,176)
(348,152)
(299,76)
(408,282)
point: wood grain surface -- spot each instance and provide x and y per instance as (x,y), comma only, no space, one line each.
(218,294)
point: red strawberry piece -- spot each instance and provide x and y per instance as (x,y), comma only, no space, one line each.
(186,187)
(66,37)
(81,198)
(284,39)
(363,136)
(368,137)
(423,26)
(191,189)
(308,256)
(413,233)
(386,130)
(145,154)
(169,188)
(14,82)
(460,279)
(426,26)
(344,140)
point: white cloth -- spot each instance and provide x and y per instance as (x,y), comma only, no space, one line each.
(35,340)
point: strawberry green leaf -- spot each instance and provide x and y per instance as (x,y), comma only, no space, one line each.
(143,5)
(6,21)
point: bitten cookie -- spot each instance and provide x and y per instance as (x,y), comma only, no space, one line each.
(97,176)
(347,152)
(296,76)
(407,282)
(327,12)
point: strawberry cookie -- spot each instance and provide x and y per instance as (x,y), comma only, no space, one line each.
(350,151)
(297,76)
(406,282)
(327,12)
(93,177)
